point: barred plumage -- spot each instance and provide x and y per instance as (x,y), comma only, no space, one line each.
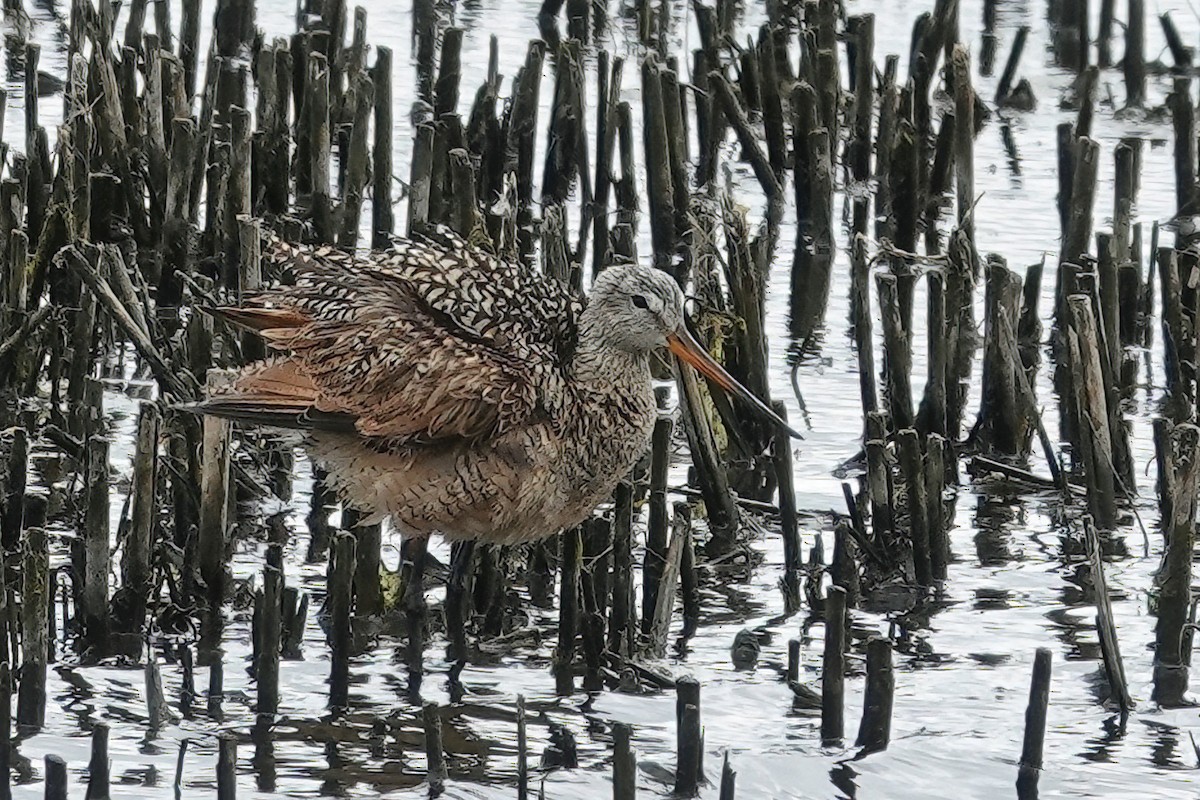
(457,393)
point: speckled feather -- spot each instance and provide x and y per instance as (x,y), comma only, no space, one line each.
(434,320)
(450,391)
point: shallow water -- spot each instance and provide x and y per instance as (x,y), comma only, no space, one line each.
(961,683)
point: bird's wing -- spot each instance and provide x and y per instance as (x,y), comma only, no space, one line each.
(427,340)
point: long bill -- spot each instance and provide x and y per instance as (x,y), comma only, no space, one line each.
(688,350)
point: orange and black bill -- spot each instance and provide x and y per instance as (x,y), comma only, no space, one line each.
(687,349)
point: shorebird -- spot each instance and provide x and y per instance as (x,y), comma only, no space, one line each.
(456,393)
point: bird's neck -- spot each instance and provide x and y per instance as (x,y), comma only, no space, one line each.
(610,413)
(602,367)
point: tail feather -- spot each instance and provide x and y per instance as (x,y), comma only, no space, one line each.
(272,412)
(276,394)
(270,322)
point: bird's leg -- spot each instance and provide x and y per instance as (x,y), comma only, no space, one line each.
(457,607)
(460,563)
(416,551)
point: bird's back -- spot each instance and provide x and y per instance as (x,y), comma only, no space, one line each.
(427,340)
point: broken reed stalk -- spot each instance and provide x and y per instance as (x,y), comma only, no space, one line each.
(1085,161)
(98,766)
(368,593)
(266,667)
(158,713)
(35,624)
(295,613)
(522,751)
(136,560)
(728,787)
(912,469)
(383,221)
(56,778)
(435,754)
(1104,58)
(226,766)
(833,666)
(879,487)
(1180,52)
(656,528)
(1175,330)
(1094,433)
(814,250)
(689,737)
(664,604)
(897,354)
(860,305)
(711,475)
(1005,418)
(792,555)
(964,140)
(96,546)
(568,613)
(1134,61)
(1106,628)
(622,620)
(1183,116)
(1035,725)
(187,684)
(6,718)
(1177,449)
(216,690)
(12,502)
(214,506)
(875,729)
(624,763)
(341,599)
(689,583)
(845,565)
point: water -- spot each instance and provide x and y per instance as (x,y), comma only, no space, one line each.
(962,682)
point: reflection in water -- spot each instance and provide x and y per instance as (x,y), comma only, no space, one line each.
(332,785)
(1164,745)
(1101,747)
(1075,629)
(78,697)
(992,599)
(990,659)
(842,776)
(994,517)
(1014,157)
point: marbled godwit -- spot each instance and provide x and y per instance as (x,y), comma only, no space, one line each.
(455,393)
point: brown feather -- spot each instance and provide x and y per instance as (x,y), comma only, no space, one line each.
(280,378)
(260,320)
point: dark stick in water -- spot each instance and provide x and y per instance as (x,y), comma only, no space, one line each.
(435,753)
(1035,726)
(226,767)
(689,743)
(833,666)
(97,788)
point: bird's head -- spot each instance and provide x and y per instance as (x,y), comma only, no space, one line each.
(640,310)
(639,307)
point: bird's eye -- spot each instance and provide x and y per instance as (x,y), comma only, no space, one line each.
(640,301)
